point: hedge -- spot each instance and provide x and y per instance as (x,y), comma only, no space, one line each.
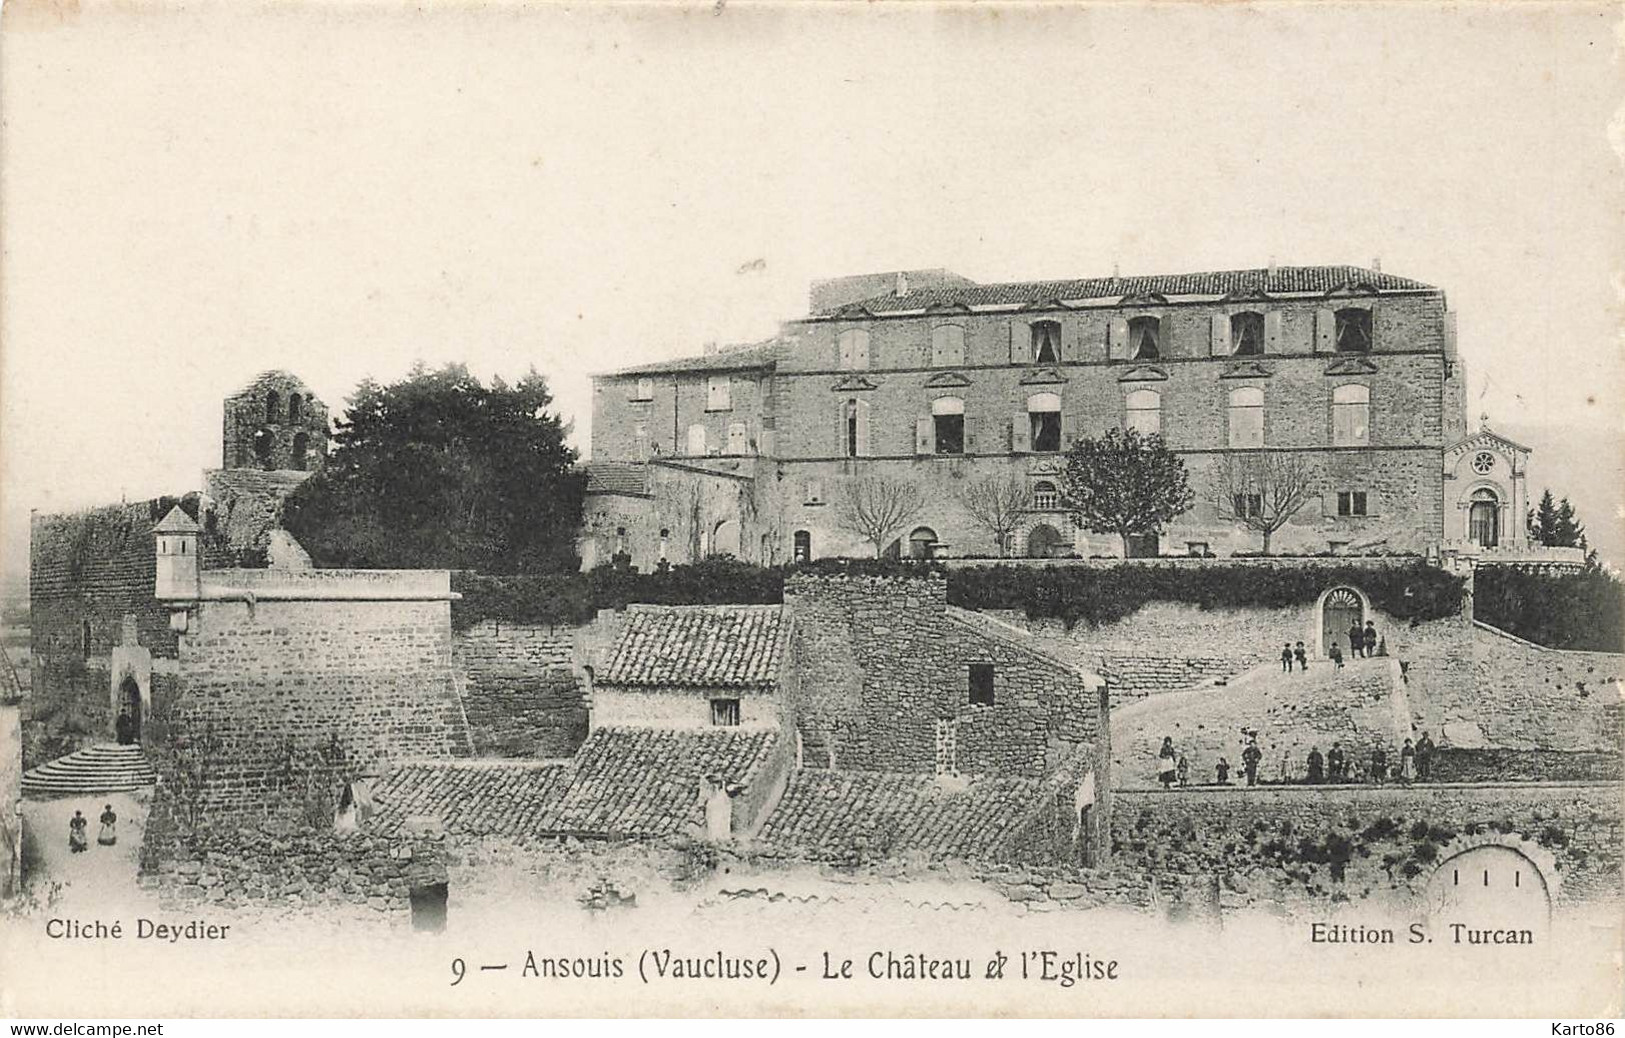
(1071,594)
(1583,610)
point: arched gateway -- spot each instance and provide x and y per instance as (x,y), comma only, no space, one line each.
(1340,609)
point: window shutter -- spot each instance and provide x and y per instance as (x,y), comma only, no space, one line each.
(1219,344)
(1021,433)
(1069,342)
(860,351)
(1069,430)
(1328,503)
(1021,342)
(844,345)
(1117,342)
(863,428)
(924,436)
(1373,505)
(1325,331)
(972,427)
(840,429)
(1272,331)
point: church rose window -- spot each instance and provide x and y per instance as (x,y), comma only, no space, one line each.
(1483,462)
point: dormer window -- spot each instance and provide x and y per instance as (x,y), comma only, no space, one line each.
(1144,337)
(1247,334)
(1046,342)
(1353,330)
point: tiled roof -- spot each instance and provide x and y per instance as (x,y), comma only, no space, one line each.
(623,782)
(645,781)
(617,477)
(488,797)
(833,813)
(699,646)
(1221,282)
(728,358)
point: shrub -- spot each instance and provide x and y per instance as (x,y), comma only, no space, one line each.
(1584,610)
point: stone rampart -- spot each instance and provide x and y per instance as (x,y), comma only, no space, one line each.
(520,689)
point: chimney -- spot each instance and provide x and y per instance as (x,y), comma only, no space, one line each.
(1272,268)
(1116,271)
(1376,264)
(902,285)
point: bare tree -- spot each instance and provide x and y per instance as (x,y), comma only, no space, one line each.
(997,503)
(876,507)
(1263,491)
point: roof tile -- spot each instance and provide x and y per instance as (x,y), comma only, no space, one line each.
(699,646)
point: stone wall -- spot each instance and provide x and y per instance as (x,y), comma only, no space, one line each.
(678,519)
(680,707)
(291,695)
(1395,835)
(520,689)
(292,871)
(907,668)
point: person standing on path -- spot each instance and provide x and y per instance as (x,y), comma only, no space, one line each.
(1407,763)
(1317,767)
(1183,770)
(1379,765)
(109,834)
(1356,639)
(76,832)
(1286,658)
(1302,657)
(1165,762)
(1336,766)
(1370,638)
(1424,757)
(1249,761)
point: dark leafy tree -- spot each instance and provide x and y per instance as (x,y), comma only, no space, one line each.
(1124,483)
(439,470)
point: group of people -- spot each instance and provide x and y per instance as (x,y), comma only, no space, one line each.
(1334,766)
(1363,641)
(78,824)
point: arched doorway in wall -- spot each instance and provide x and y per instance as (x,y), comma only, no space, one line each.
(128,723)
(1489,888)
(922,543)
(1045,542)
(1484,518)
(725,538)
(801,543)
(1340,609)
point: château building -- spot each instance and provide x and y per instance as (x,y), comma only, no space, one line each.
(746,451)
(930,378)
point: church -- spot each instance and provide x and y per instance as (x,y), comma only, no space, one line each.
(1349,377)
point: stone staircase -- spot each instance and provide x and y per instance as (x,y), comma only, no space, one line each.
(102,768)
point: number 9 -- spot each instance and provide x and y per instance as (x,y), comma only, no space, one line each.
(457,970)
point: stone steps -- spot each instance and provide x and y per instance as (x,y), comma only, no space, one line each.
(102,768)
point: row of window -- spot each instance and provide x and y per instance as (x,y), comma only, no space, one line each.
(273,407)
(1137,338)
(1040,430)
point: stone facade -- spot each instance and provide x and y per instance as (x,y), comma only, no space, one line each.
(520,689)
(887,660)
(679,512)
(275,423)
(853,390)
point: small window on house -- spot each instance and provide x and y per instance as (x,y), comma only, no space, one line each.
(295,401)
(640,440)
(1044,412)
(738,442)
(273,412)
(948,421)
(1045,497)
(853,347)
(1353,330)
(718,393)
(665,543)
(644,389)
(1145,338)
(1144,412)
(849,428)
(947,346)
(981,684)
(1046,341)
(1351,502)
(696,439)
(1247,417)
(1247,334)
(1247,506)
(801,542)
(1196,549)
(1351,416)
(725,713)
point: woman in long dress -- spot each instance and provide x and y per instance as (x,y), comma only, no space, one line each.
(109,834)
(76,832)
(1166,762)
(1407,763)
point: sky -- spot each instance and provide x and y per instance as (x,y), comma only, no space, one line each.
(192,194)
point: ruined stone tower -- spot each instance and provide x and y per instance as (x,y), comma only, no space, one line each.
(275,423)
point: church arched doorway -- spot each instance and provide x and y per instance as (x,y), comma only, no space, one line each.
(1045,542)
(128,723)
(1483,519)
(1341,608)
